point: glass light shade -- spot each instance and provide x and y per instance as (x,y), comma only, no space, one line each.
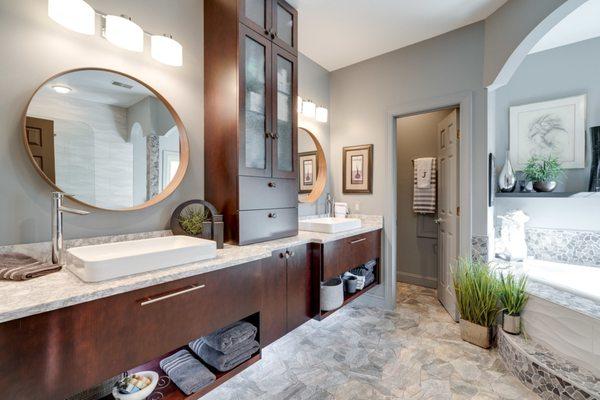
(166,50)
(61,89)
(76,15)
(124,33)
(309,108)
(299,105)
(321,114)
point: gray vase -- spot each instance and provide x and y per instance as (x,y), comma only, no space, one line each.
(507,180)
(544,186)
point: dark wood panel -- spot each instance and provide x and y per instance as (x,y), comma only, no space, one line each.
(299,287)
(97,340)
(263,193)
(273,312)
(262,225)
(345,254)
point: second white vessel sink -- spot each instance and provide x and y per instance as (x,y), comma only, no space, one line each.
(112,260)
(329,225)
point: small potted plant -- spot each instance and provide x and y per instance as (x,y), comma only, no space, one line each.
(513,298)
(476,289)
(543,172)
(192,220)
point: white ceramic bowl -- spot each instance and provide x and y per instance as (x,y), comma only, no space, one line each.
(142,394)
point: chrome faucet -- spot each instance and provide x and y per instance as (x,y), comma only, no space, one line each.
(330,209)
(58,242)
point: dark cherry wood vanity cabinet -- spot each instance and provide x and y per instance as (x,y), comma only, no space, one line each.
(54,355)
(288,297)
(250,118)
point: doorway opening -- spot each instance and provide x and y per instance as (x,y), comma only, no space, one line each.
(428,199)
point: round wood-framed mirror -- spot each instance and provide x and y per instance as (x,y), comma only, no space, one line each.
(312,167)
(106,139)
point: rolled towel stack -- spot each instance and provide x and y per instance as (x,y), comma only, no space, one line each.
(187,372)
(364,274)
(228,347)
(340,210)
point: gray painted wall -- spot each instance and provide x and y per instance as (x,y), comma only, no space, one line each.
(363,93)
(417,254)
(51,49)
(548,75)
(313,84)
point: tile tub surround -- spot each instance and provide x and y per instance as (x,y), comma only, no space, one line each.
(63,289)
(564,246)
(545,373)
(360,352)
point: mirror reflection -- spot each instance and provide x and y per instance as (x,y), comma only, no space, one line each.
(311,167)
(104,138)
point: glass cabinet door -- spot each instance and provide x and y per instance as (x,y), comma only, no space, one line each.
(284,115)
(284,25)
(257,14)
(255,104)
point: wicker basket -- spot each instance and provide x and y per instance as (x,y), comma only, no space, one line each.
(332,294)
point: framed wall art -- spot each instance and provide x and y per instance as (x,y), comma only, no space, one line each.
(357,169)
(307,171)
(555,127)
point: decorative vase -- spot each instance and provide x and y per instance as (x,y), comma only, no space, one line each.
(544,186)
(595,174)
(507,180)
(511,323)
(478,335)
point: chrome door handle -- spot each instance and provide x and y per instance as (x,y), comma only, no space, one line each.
(170,295)
(358,240)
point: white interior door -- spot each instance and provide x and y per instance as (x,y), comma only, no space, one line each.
(448,208)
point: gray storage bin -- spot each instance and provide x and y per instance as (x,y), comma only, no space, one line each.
(332,294)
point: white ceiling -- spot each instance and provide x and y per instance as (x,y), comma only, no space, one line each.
(338,33)
(581,24)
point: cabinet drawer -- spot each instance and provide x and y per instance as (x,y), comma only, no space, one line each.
(261,225)
(265,193)
(344,254)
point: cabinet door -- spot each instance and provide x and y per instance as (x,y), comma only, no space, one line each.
(272,315)
(285,117)
(298,287)
(285,26)
(257,14)
(255,104)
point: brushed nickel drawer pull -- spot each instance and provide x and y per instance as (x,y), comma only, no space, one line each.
(170,295)
(358,240)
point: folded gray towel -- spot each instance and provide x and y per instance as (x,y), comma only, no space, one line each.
(370,265)
(224,362)
(369,278)
(227,340)
(187,372)
(19,267)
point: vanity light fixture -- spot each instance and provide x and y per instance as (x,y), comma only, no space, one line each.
(124,33)
(76,15)
(321,114)
(166,50)
(309,108)
(61,89)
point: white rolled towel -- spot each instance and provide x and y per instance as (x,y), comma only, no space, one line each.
(340,209)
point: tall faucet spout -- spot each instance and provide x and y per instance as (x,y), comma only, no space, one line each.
(58,242)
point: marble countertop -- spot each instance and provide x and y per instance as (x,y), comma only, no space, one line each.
(63,289)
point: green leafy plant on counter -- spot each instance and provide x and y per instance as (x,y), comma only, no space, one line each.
(476,288)
(512,293)
(191,220)
(547,169)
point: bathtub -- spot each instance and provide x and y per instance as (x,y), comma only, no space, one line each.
(576,279)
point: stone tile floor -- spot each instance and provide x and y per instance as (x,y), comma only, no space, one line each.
(359,353)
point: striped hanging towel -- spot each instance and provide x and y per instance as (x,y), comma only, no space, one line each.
(424,198)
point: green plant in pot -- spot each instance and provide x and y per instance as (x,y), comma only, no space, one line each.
(192,220)
(513,299)
(543,172)
(476,289)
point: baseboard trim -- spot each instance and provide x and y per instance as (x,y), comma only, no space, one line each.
(416,279)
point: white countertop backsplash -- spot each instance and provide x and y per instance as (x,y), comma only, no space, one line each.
(62,289)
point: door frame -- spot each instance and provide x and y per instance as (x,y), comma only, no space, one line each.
(464,101)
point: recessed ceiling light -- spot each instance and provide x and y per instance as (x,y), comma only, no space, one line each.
(61,89)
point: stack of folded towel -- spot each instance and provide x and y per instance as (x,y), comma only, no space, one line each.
(340,210)
(187,372)
(364,274)
(228,347)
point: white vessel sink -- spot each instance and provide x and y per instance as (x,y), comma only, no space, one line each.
(329,225)
(112,260)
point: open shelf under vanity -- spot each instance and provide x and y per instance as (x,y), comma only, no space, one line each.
(348,298)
